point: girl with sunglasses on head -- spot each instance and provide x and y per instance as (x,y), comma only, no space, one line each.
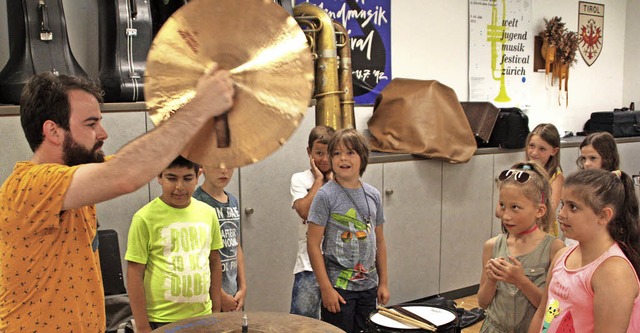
(515,262)
(543,146)
(593,286)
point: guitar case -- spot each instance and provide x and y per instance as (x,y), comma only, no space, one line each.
(161,10)
(619,123)
(125,39)
(38,42)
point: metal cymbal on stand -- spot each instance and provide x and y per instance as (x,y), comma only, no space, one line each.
(267,54)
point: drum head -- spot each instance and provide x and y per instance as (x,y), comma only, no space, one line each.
(437,316)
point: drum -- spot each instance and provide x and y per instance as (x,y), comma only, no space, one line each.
(445,320)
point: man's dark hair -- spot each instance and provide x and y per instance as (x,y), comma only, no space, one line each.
(45,97)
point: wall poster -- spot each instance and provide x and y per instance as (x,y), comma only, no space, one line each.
(501,46)
(368,23)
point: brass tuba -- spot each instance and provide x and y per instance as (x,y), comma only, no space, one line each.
(333,89)
(495,35)
(345,78)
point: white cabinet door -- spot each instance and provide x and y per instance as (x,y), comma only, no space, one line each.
(467,214)
(630,160)
(14,145)
(568,157)
(116,213)
(270,225)
(629,157)
(412,204)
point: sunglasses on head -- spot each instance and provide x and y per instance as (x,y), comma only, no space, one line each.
(519,175)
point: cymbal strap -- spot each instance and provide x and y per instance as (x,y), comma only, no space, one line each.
(223,135)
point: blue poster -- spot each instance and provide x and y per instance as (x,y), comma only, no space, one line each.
(368,23)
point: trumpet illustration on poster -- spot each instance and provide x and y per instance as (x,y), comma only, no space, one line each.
(496,35)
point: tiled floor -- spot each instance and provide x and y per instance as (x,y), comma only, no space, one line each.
(469,303)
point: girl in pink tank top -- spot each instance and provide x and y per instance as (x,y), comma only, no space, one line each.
(594,286)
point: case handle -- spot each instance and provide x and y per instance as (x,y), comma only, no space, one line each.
(45,31)
(134,9)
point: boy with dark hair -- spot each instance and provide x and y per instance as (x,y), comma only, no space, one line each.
(305,296)
(174,268)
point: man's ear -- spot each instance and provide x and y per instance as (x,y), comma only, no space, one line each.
(52,132)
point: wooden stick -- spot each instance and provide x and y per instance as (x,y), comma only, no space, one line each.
(410,314)
(404,319)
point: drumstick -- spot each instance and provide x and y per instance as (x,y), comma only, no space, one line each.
(412,315)
(404,319)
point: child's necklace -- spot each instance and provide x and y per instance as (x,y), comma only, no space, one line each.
(530,230)
(366,218)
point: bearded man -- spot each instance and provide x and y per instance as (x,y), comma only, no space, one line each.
(50,270)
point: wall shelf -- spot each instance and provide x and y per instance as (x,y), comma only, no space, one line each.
(14,110)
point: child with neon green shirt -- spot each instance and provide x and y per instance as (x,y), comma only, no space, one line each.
(174,270)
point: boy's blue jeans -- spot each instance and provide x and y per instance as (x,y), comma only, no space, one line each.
(305,295)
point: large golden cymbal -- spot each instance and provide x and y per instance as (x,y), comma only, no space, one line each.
(266,52)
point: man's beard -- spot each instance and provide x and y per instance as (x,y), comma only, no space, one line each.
(75,154)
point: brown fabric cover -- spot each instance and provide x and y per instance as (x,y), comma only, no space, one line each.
(422,117)
(482,117)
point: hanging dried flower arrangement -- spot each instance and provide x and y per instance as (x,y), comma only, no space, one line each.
(551,35)
(559,47)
